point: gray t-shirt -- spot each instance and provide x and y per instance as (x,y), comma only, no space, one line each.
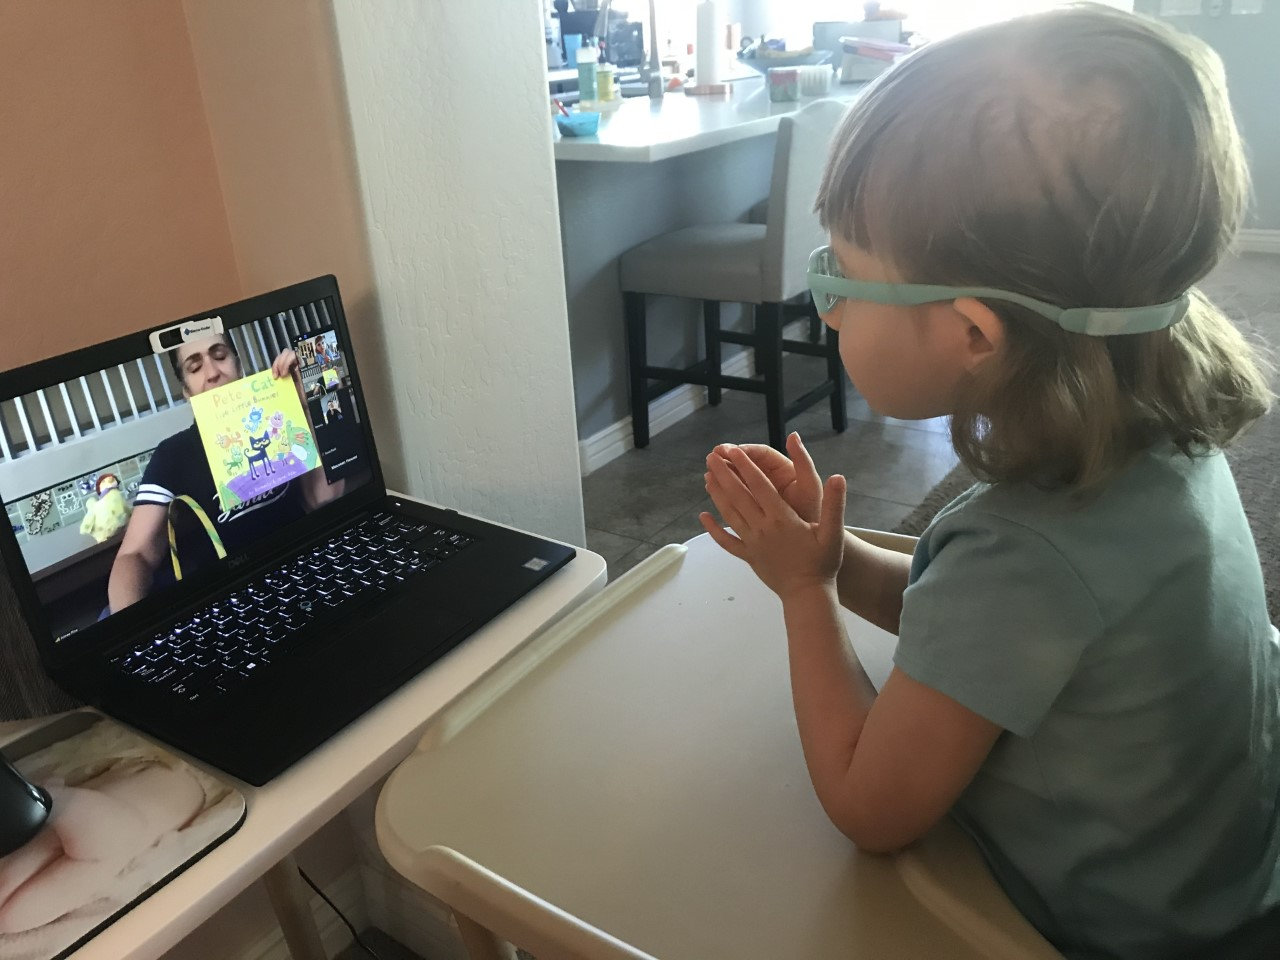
(1123,643)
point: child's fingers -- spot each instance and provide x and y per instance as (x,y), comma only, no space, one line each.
(724,505)
(720,535)
(831,524)
(807,478)
(720,450)
(728,475)
(774,464)
(800,457)
(722,453)
(799,452)
(757,484)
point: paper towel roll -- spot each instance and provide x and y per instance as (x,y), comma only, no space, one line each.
(710,43)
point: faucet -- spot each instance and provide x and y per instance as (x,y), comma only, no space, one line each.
(602,21)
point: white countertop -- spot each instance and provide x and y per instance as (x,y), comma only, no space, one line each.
(643,130)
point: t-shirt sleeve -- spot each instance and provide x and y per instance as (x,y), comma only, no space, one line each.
(997,619)
(161,480)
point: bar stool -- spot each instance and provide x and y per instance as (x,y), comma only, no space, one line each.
(759,264)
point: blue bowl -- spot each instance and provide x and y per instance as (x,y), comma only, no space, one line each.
(578,124)
(763,64)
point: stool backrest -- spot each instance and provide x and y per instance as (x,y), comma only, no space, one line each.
(792,231)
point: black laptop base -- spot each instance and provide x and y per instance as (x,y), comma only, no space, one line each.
(346,659)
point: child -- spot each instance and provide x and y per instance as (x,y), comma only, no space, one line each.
(1086,674)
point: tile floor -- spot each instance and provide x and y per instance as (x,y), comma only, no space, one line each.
(647,498)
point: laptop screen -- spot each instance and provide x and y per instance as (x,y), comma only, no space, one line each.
(166,467)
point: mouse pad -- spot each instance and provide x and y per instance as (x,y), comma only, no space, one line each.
(127,816)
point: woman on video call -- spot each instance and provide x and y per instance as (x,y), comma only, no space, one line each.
(179,467)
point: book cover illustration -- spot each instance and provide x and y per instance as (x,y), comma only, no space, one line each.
(255,436)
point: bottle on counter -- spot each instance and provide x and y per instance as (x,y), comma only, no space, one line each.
(671,62)
(606,85)
(555,57)
(588,88)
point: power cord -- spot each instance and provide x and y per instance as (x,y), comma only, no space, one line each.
(360,943)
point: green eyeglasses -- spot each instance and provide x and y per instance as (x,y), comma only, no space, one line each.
(829,287)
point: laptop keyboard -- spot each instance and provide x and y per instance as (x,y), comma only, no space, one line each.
(229,642)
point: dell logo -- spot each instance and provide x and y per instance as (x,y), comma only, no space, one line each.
(234,562)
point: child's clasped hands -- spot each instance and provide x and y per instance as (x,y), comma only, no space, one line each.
(785,522)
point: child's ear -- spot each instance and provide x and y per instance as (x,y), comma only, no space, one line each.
(985,331)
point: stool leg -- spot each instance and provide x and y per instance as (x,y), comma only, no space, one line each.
(637,360)
(835,370)
(711,334)
(769,364)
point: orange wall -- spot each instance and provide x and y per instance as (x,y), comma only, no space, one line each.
(276,107)
(159,158)
(111,212)
(277,113)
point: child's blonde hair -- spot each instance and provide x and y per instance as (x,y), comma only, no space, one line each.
(1082,156)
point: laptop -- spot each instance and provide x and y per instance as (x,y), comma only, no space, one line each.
(203,545)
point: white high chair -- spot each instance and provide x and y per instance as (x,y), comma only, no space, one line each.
(631,786)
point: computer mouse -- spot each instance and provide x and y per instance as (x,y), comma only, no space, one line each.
(24,808)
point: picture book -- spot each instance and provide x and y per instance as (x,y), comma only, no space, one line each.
(255,436)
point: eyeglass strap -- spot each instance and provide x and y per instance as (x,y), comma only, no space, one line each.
(1091,321)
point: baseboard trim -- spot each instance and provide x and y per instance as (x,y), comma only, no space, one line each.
(1259,241)
(615,440)
(347,894)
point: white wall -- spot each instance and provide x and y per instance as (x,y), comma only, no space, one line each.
(452,135)
(1247,45)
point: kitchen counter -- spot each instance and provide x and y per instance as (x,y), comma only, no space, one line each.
(643,130)
(655,167)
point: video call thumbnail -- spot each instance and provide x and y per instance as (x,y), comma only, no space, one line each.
(326,384)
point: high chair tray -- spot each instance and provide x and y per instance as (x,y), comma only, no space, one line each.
(631,785)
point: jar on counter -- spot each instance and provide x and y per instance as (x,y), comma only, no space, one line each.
(606,82)
(784,84)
